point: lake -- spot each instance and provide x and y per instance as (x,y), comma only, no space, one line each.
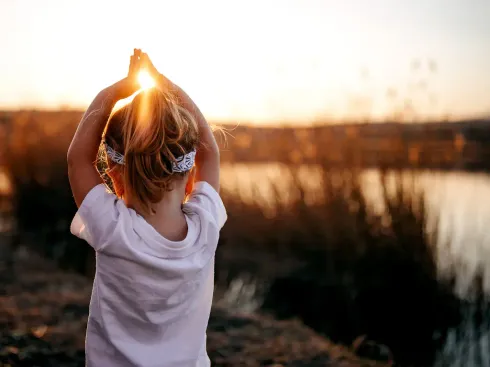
(458,210)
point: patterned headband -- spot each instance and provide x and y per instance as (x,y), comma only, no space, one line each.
(182,164)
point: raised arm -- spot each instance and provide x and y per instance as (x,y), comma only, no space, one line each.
(207,155)
(82,153)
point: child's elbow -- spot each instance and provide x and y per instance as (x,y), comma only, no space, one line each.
(74,158)
(70,157)
(215,150)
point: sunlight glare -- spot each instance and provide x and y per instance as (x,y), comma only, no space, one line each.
(145,80)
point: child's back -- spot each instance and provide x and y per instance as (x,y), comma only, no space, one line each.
(152,297)
(153,286)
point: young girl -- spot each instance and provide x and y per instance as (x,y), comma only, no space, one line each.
(155,238)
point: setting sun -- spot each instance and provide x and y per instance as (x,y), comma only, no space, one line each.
(145,80)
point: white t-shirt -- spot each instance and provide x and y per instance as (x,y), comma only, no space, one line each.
(151,297)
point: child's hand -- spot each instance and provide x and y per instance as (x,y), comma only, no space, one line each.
(129,85)
(148,66)
(161,80)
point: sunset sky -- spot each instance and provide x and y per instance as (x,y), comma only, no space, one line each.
(259,60)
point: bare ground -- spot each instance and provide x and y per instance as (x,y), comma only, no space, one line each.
(43,316)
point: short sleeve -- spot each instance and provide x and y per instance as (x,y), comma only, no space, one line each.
(207,199)
(97,217)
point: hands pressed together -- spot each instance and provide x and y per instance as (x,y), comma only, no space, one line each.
(129,85)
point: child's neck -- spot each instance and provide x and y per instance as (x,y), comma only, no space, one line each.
(168,218)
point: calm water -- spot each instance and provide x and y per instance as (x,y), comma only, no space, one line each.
(459,204)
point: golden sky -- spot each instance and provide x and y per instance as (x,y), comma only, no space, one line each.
(258,60)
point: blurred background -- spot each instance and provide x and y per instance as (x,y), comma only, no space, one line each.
(355,160)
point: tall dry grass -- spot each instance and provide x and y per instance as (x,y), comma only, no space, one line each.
(43,206)
(338,264)
(342,266)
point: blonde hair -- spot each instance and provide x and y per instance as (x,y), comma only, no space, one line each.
(151,132)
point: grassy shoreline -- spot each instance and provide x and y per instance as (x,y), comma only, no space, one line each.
(354,271)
